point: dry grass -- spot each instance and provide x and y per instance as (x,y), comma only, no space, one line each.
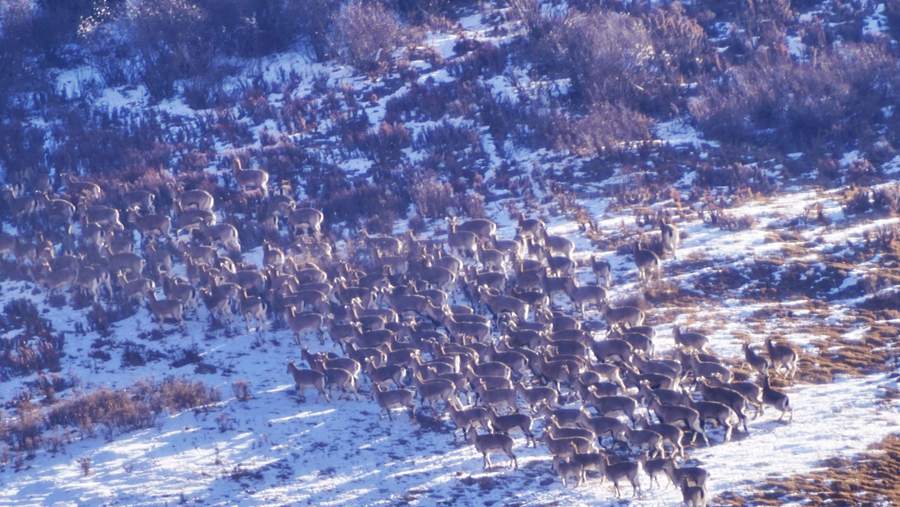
(872,478)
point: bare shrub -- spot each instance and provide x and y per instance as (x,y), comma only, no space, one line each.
(241,390)
(607,55)
(608,126)
(84,463)
(432,197)
(365,33)
(882,201)
(836,96)
(679,40)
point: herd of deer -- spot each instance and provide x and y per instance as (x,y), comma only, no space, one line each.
(491,332)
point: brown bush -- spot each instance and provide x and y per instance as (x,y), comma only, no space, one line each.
(432,197)
(606,54)
(365,34)
(834,97)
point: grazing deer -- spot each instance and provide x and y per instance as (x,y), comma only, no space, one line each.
(649,439)
(493,442)
(782,355)
(777,399)
(397,398)
(307,378)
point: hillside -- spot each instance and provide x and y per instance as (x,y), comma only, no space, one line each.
(195,191)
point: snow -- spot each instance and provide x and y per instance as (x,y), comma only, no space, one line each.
(876,24)
(679,132)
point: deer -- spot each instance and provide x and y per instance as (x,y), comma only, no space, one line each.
(777,399)
(225,235)
(505,423)
(500,397)
(538,396)
(253,309)
(692,475)
(705,370)
(695,341)
(602,271)
(585,294)
(380,375)
(396,398)
(151,225)
(165,308)
(756,362)
(782,355)
(304,378)
(306,221)
(557,431)
(693,496)
(606,405)
(717,412)
(728,397)
(603,425)
(650,439)
(751,392)
(304,322)
(566,447)
(493,442)
(104,216)
(251,181)
(647,262)
(461,242)
(485,229)
(559,245)
(466,418)
(671,238)
(567,470)
(336,377)
(434,390)
(613,348)
(499,303)
(670,414)
(615,472)
(622,316)
(198,199)
(59,211)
